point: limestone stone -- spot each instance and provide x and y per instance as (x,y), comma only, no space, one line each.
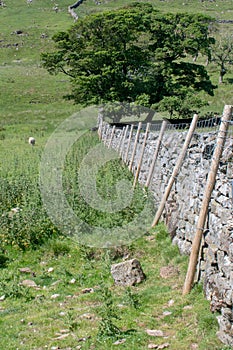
(25,270)
(169,271)
(28,283)
(127,273)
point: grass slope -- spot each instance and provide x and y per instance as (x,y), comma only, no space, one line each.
(75,305)
(27,91)
(58,313)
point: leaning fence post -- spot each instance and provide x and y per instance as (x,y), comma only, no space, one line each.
(141,156)
(106,129)
(227,113)
(163,127)
(112,134)
(135,146)
(100,129)
(123,141)
(176,170)
(129,142)
(100,122)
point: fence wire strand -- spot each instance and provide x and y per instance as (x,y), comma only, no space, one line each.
(209,126)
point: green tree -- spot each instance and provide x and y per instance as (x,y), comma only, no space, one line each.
(170,104)
(184,105)
(222,55)
(133,54)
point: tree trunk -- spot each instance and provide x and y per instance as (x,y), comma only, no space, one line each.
(220,80)
(195,57)
(221,74)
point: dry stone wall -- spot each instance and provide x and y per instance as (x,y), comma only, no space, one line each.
(182,210)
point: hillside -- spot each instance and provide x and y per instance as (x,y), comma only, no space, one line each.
(26,31)
(54,292)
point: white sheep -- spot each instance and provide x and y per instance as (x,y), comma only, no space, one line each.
(31,141)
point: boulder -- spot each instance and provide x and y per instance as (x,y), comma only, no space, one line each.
(127,273)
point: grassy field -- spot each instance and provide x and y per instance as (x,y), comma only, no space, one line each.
(28,92)
(74,303)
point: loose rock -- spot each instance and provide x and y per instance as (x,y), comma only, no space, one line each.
(127,273)
(169,271)
(155,332)
(28,283)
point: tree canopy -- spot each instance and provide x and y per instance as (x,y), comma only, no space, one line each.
(133,54)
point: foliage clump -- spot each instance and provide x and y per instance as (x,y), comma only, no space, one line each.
(135,54)
(24,221)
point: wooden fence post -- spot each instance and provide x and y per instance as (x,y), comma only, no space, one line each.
(163,127)
(135,146)
(100,129)
(112,134)
(227,113)
(141,156)
(121,138)
(100,122)
(106,129)
(129,141)
(176,170)
(123,142)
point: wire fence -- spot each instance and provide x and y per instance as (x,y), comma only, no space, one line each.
(202,125)
(131,140)
(165,155)
(207,125)
(189,170)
